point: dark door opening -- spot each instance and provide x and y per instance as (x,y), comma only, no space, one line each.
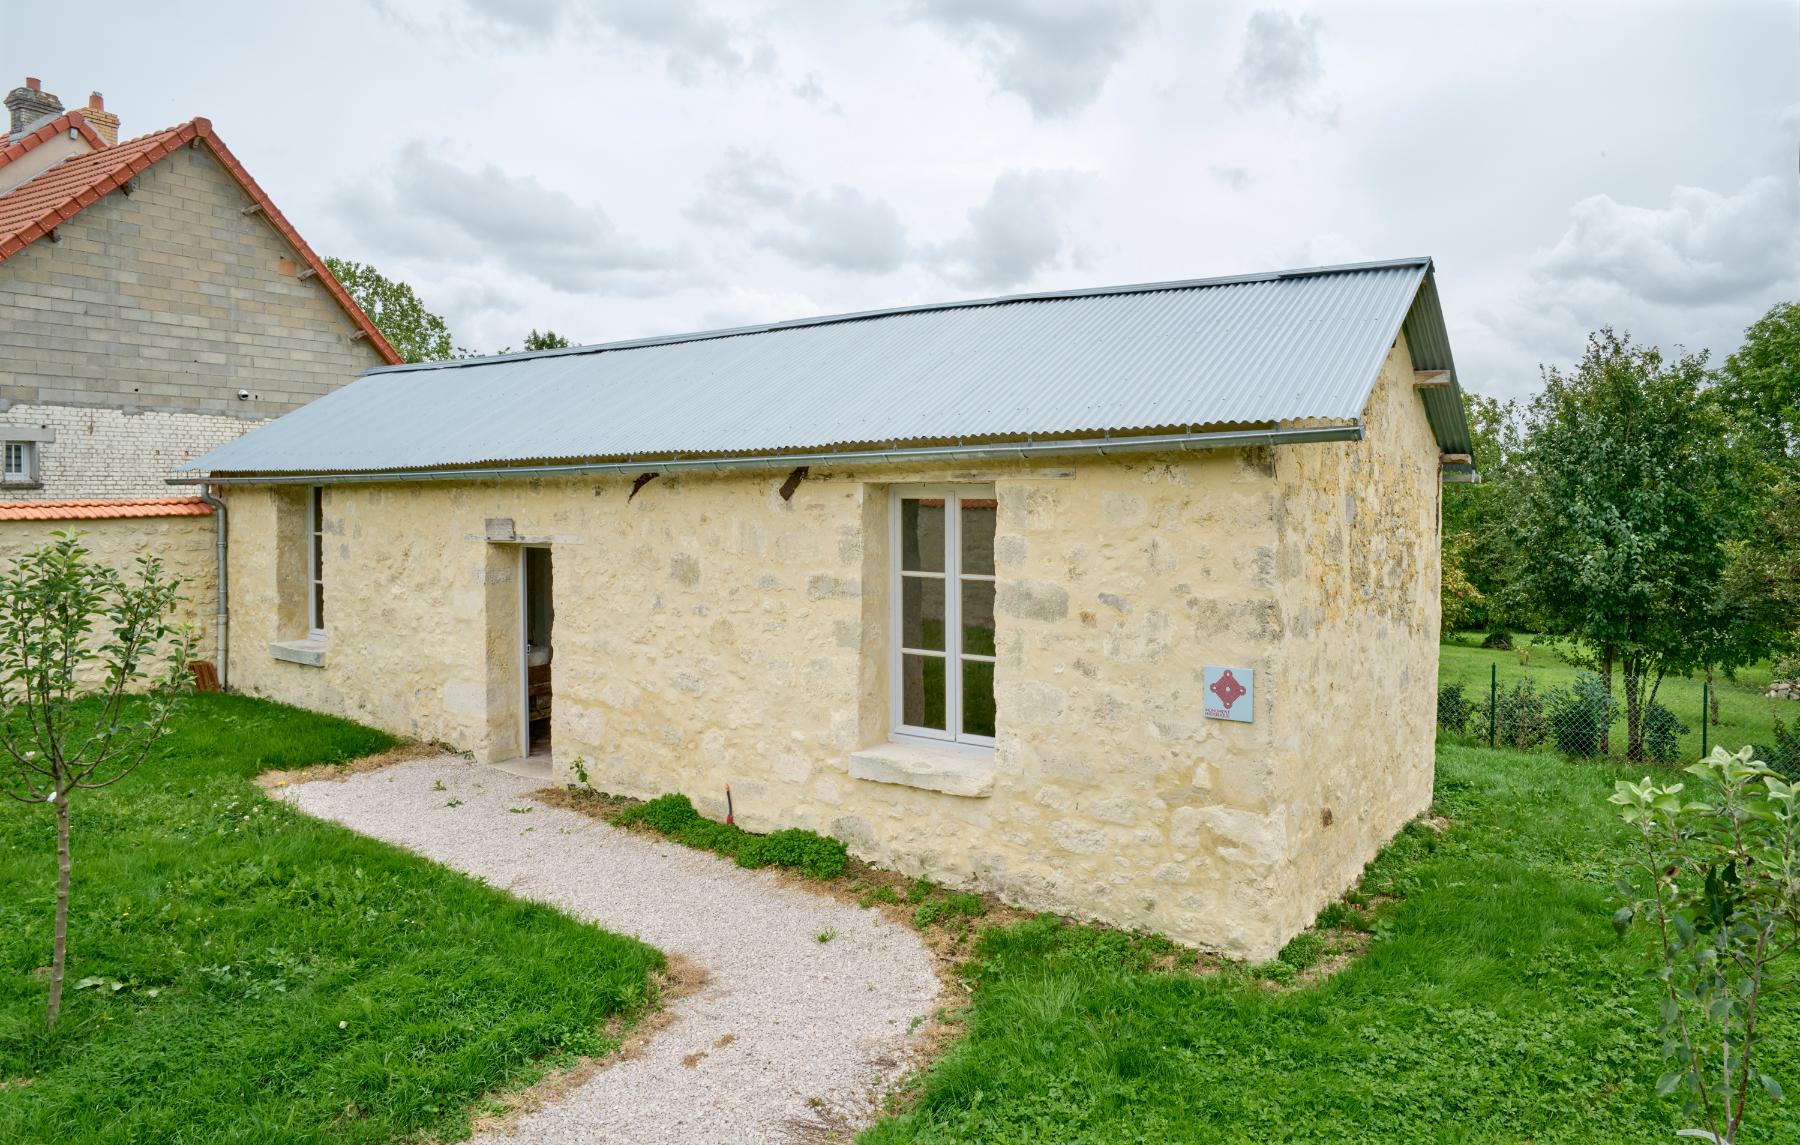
(539,614)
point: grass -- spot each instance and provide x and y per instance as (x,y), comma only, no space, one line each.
(279,979)
(1747,715)
(1493,1003)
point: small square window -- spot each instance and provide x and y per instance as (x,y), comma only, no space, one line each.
(21,461)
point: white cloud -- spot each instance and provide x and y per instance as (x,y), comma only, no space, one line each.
(1022,228)
(840,228)
(432,210)
(1692,273)
(1702,248)
(1280,65)
(1054,56)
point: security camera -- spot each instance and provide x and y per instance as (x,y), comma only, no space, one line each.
(243,395)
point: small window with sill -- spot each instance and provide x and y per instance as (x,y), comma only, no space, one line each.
(943,613)
(21,463)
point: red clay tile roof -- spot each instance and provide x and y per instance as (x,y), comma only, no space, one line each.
(39,205)
(97,510)
(47,130)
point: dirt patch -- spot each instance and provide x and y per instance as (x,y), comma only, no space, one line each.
(272,781)
(678,979)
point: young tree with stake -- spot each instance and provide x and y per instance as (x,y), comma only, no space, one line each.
(91,667)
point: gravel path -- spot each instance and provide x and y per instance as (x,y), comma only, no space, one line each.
(789,1031)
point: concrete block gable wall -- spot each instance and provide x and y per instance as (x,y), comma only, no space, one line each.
(132,335)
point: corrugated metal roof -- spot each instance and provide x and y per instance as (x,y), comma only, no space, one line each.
(1254,349)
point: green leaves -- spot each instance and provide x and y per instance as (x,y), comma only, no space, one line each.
(1720,893)
(417,333)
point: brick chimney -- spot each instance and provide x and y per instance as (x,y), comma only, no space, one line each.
(29,104)
(104,122)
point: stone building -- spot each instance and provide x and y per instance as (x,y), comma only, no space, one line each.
(154,304)
(1119,602)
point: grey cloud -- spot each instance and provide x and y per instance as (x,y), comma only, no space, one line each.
(841,228)
(435,210)
(695,41)
(1055,57)
(1019,230)
(1280,65)
(1237,178)
(1702,248)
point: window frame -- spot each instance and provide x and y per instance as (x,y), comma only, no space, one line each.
(315,552)
(952,576)
(28,455)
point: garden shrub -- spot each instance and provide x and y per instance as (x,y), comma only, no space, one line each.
(1454,708)
(1519,719)
(1580,716)
(1498,638)
(1782,756)
(819,856)
(1663,730)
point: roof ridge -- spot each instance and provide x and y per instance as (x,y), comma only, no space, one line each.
(116,165)
(45,130)
(1421,261)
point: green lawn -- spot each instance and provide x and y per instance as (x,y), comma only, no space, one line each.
(285,979)
(1747,715)
(1494,1004)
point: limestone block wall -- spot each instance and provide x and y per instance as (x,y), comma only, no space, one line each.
(1357,577)
(708,632)
(185,544)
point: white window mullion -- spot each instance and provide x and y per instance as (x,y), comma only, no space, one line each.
(953,614)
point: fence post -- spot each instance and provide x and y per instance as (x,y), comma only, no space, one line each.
(1493,700)
(1705,707)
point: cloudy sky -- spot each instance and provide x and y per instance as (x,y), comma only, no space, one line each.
(616,168)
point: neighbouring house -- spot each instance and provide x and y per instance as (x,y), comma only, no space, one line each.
(1116,602)
(154,304)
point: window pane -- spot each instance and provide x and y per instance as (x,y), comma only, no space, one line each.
(978,514)
(922,534)
(922,691)
(922,612)
(318,619)
(978,698)
(978,617)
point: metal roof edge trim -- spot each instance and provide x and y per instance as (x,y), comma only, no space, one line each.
(1156,443)
(1423,261)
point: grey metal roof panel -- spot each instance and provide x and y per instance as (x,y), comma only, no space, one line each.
(1245,350)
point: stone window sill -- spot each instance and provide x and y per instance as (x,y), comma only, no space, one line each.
(307,653)
(950,770)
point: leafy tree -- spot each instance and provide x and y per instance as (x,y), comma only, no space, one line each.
(548,340)
(417,333)
(1627,497)
(77,640)
(1760,384)
(1719,890)
(1477,516)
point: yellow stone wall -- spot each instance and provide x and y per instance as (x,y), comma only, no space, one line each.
(708,632)
(185,544)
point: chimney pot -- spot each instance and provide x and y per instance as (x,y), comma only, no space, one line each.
(96,101)
(32,83)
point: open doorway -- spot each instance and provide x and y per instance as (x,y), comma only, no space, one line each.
(537,615)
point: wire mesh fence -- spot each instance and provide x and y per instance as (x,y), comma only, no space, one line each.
(1584,719)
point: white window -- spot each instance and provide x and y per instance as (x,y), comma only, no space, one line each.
(942,541)
(315,561)
(21,461)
